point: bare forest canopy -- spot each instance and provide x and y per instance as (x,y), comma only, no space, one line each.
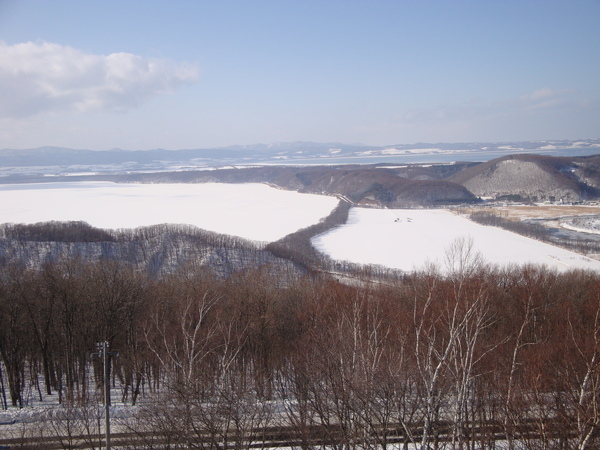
(161,249)
(461,360)
(223,341)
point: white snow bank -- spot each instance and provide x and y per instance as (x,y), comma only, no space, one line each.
(252,211)
(585,224)
(409,239)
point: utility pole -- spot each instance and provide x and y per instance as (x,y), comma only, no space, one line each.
(102,348)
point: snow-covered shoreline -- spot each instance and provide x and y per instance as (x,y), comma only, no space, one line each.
(584,224)
(251,211)
(411,239)
(393,238)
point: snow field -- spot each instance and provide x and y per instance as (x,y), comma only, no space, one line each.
(252,211)
(410,239)
(394,238)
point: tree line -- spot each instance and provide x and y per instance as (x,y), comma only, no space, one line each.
(161,249)
(455,359)
(536,231)
(157,249)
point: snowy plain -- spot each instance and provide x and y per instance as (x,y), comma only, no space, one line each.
(252,211)
(394,238)
(411,239)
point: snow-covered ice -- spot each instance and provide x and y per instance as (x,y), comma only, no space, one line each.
(252,211)
(402,239)
(410,239)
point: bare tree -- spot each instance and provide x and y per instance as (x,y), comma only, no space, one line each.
(583,372)
(12,339)
(448,321)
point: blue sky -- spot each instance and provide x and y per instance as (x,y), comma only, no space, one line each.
(196,74)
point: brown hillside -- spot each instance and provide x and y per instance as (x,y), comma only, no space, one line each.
(533,177)
(365,185)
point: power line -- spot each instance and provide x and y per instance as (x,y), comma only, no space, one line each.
(103,352)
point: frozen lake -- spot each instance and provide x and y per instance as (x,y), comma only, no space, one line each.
(410,239)
(252,211)
(402,239)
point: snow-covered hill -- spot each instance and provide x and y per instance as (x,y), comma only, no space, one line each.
(534,177)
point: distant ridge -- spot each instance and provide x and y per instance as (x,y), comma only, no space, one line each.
(276,153)
(534,177)
(514,177)
(363,175)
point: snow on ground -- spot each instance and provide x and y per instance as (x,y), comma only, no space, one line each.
(252,211)
(410,239)
(402,239)
(583,224)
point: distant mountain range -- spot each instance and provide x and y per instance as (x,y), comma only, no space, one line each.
(522,177)
(390,176)
(64,161)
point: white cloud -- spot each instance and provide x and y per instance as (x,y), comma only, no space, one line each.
(45,77)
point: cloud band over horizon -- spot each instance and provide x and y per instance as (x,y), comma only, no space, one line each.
(44,77)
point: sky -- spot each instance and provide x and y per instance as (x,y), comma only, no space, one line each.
(199,74)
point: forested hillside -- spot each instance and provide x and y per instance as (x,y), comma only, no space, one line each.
(534,178)
(156,250)
(162,249)
(363,185)
(461,360)
(522,177)
(519,177)
(225,343)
